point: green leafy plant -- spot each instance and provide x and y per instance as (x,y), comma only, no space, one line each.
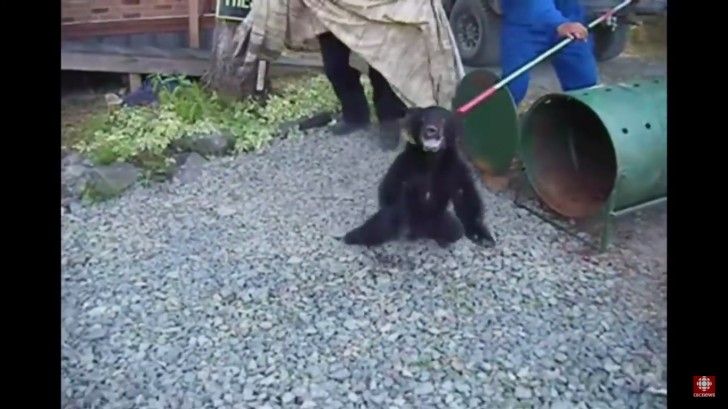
(143,135)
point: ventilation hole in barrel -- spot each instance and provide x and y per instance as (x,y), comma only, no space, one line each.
(608,89)
(636,85)
(585,94)
(625,131)
(656,81)
(648,126)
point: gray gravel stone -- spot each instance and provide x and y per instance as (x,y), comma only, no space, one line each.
(248,394)
(230,287)
(424,388)
(353,397)
(561,405)
(340,374)
(462,387)
(287,397)
(523,393)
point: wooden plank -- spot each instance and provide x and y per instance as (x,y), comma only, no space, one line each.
(78,46)
(125,64)
(297,63)
(106,48)
(197,53)
(193,30)
(131,64)
(152,51)
(70,31)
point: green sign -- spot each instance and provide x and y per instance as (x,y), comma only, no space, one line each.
(233,9)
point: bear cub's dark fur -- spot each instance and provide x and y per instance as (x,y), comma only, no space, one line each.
(416,190)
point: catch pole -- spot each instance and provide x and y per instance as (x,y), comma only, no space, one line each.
(563,43)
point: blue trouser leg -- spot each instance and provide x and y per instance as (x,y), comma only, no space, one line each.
(518,47)
(576,66)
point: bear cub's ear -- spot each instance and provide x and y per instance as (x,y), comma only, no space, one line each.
(412,118)
(410,124)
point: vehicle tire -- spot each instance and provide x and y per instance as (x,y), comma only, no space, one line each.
(477,30)
(608,44)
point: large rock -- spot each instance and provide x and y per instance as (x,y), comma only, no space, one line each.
(216,144)
(74,175)
(67,195)
(110,181)
(72,158)
(189,166)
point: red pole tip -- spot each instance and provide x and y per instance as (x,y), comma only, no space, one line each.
(477,100)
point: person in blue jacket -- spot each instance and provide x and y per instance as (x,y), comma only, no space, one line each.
(531,27)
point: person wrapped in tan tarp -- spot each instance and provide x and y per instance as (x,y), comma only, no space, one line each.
(407,42)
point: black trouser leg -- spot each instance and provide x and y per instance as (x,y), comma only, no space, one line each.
(387,104)
(344,78)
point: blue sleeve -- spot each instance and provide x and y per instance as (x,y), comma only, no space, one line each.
(546,15)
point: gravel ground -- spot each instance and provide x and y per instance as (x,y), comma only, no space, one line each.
(229,291)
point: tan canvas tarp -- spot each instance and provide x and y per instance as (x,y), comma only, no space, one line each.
(406,40)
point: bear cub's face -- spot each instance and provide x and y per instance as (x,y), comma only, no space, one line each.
(433,129)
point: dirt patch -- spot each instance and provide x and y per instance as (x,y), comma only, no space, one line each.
(649,40)
(77,111)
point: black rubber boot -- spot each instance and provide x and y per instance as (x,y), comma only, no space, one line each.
(341,128)
(389,134)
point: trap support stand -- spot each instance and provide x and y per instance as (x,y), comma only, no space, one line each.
(608,217)
(598,152)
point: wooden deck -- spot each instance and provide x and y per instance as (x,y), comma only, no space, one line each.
(104,57)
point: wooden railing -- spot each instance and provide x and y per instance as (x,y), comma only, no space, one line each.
(200,14)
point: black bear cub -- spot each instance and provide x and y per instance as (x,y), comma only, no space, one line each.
(416,190)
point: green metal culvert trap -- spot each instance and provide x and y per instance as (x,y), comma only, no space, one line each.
(491,128)
(598,151)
